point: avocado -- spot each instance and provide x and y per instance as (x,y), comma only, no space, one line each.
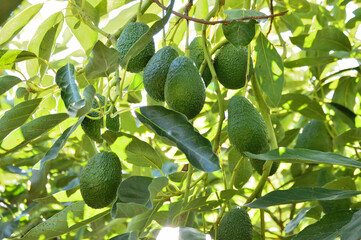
(247,131)
(100,178)
(235,225)
(230,64)
(184,88)
(155,73)
(196,53)
(92,127)
(258,164)
(314,136)
(130,35)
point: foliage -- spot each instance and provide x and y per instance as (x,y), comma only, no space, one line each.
(178,175)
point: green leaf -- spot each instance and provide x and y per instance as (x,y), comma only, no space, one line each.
(17,116)
(7,82)
(83,106)
(133,150)
(349,136)
(331,38)
(5,12)
(352,230)
(299,5)
(32,130)
(69,88)
(301,194)
(302,104)
(352,22)
(269,69)
(308,61)
(244,172)
(175,127)
(53,152)
(67,196)
(43,42)
(239,33)
(290,135)
(240,13)
(86,36)
(293,224)
(148,36)
(345,93)
(125,236)
(9,57)
(105,61)
(14,26)
(306,156)
(74,216)
(328,228)
(135,195)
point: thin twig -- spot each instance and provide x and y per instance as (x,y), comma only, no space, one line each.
(220,21)
(270,25)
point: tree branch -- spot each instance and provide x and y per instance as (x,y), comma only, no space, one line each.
(220,21)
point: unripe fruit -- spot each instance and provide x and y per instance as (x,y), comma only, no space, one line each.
(235,225)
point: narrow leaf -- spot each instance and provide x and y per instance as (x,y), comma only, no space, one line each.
(17,116)
(328,228)
(349,136)
(105,61)
(7,82)
(269,69)
(9,57)
(83,106)
(301,194)
(175,127)
(14,26)
(307,61)
(302,104)
(65,79)
(240,13)
(33,130)
(53,152)
(331,38)
(306,156)
(148,36)
(74,216)
(133,150)
(352,230)
(292,225)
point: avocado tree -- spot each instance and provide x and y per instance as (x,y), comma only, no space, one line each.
(164,119)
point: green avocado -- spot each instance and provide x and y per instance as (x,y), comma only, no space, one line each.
(92,127)
(247,131)
(130,35)
(235,225)
(197,55)
(184,88)
(230,64)
(155,73)
(100,179)
(258,164)
(314,136)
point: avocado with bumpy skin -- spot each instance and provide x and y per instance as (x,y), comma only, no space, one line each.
(247,131)
(230,64)
(184,88)
(314,136)
(235,225)
(130,35)
(196,53)
(258,164)
(100,178)
(92,127)
(155,73)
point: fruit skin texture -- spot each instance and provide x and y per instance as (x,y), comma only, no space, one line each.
(100,179)
(235,225)
(131,33)
(258,164)
(230,64)
(184,88)
(247,131)
(92,127)
(314,136)
(197,55)
(155,73)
